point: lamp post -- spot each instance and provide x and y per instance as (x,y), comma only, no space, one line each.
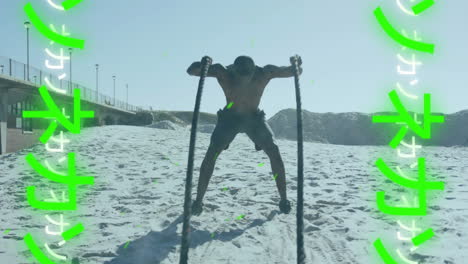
(97,84)
(113,77)
(1,67)
(27,24)
(126,105)
(35,79)
(71,85)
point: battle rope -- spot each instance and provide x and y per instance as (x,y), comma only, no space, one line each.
(205,65)
(300,166)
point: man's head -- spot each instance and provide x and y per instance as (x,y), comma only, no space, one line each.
(244,65)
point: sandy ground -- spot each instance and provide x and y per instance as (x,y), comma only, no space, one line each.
(133,212)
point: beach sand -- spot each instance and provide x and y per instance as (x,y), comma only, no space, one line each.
(132,214)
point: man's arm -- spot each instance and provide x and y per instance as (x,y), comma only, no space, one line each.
(273,71)
(216,70)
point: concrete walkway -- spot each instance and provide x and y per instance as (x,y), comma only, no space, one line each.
(17,140)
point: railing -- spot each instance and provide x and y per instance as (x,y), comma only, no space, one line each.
(37,77)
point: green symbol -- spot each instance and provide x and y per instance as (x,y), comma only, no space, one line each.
(240,217)
(71,180)
(274,176)
(417,240)
(54,112)
(261,164)
(423,237)
(422,6)
(216,156)
(67,4)
(398,37)
(386,257)
(72,232)
(47,32)
(176,164)
(126,245)
(229,105)
(49,132)
(226,219)
(404,116)
(35,250)
(7,231)
(212,235)
(155,181)
(224,189)
(420,184)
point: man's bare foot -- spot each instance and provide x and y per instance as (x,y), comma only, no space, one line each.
(285,206)
(197,208)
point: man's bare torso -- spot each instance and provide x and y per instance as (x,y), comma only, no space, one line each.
(244,93)
(243,82)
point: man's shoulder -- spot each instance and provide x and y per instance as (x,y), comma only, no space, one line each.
(260,70)
(269,67)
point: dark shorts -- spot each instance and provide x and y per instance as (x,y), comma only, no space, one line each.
(253,124)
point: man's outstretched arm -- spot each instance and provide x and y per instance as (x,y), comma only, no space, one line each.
(273,71)
(215,70)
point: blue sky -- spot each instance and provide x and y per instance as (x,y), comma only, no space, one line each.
(349,65)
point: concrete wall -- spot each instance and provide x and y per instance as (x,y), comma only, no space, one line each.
(12,92)
(17,140)
(3,119)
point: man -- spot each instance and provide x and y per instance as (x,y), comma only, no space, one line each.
(243,83)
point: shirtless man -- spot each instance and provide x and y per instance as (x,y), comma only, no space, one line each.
(243,83)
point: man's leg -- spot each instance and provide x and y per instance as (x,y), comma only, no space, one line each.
(222,136)
(262,135)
